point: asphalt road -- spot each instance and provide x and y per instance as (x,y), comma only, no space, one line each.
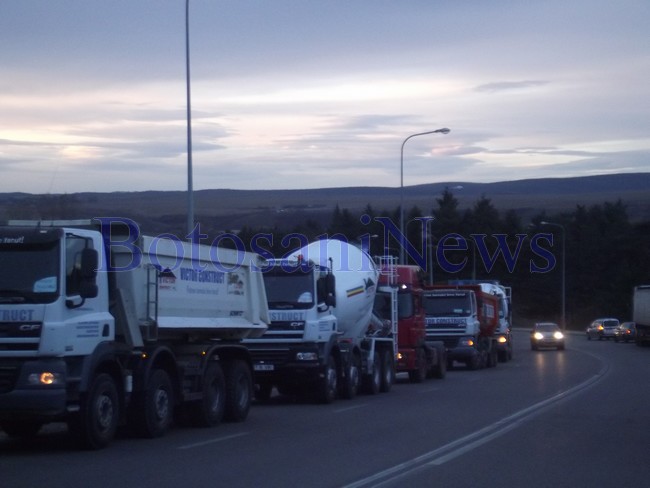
(574,418)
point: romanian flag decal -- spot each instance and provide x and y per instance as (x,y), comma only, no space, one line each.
(355,291)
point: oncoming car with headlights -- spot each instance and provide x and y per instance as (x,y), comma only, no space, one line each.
(546,334)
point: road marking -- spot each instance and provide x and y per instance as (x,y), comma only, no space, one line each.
(472,441)
(353,407)
(212,441)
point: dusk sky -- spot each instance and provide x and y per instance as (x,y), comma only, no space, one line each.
(295,94)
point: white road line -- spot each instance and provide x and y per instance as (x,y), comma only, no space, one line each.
(353,407)
(212,441)
(472,441)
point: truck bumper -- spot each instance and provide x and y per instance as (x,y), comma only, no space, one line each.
(461,353)
(282,368)
(22,395)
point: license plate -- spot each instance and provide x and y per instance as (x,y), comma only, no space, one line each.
(263,367)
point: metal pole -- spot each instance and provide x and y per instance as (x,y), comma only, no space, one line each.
(190,189)
(401,187)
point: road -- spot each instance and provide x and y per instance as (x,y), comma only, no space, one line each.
(573,418)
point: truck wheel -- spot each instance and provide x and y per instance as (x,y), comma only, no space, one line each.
(349,385)
(239,391)
(327,386)
(209,411)
(95,424)
(419,374)
(387,371)
(155,409)
(22,428)
(439,370)
(372,382)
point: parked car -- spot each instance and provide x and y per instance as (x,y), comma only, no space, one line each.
(625,332)
(602,328)
(546,334)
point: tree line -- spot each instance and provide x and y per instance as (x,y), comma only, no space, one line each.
(598,251)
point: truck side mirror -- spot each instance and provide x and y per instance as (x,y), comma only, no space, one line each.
(88,283)
(330,282)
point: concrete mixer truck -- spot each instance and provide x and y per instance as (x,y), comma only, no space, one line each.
(323,339)
(101,326)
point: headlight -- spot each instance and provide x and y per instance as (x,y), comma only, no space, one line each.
(44,378)
(538,336)
(502,340)
(466,341)
(558,335)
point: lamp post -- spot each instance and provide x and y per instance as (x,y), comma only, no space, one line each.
(401,186)
(543,222)
(430,246)
(190,190)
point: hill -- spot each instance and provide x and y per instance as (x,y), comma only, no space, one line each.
(225,209)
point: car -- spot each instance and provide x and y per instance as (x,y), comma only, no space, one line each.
(603,328)
(625,332)
(546,334)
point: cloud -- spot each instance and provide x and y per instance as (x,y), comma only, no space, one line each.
(503,86)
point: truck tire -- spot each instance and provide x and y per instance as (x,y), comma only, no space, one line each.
(154,409)
(209,411)
(95,424)
(387,371)
(349,385)
(22,429)
(327,385)
(239,390)
(475,362)
(372,381)
(438,368)
(419,374)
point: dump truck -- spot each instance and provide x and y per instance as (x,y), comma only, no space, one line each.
(101,326)
(323,340)
(467,318)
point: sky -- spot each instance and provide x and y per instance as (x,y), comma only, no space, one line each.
(299,94)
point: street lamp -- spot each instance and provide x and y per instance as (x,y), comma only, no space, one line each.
(543,222)
(401,186)
(190,190)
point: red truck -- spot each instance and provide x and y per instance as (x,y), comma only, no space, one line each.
(404,285)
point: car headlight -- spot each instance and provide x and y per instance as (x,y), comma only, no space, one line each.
(558,335)
(538,336)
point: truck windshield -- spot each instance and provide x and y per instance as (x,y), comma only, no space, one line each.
(289,290)
(29,272)
(447,306)
(405,306)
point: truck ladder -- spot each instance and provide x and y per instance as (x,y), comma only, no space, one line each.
(387,268)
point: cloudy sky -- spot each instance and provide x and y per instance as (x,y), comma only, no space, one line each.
(319,93)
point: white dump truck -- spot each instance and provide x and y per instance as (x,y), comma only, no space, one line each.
(101,326)
(323,338)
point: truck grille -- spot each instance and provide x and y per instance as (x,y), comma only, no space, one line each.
(20,336)
(285,330)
